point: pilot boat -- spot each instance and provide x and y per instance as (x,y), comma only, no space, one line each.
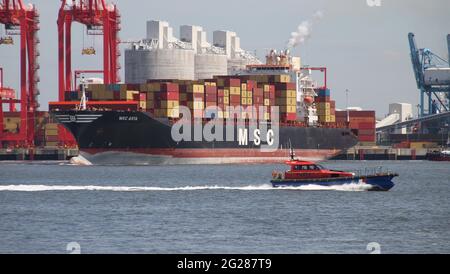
(302,173)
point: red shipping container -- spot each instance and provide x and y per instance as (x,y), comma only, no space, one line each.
(210,97)
(211,90)
(285,86)
(220,92)
(269,95)
(341,119)
(288,116)
(169,95)
(358,114)
(322,99)
(367,125)
(170,87)
(332,104)
(220,100)
(235,99)
(258,100)
(363,113)
(211,104)
(251,84)
(258,92)
(366,138)
(341,113)
(366,132)
(142,96)
(271,88)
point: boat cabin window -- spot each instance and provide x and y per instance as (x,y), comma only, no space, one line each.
(305,167)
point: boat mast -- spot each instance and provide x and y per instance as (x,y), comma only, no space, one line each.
(291,151)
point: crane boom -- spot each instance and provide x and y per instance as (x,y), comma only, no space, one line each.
(429,71)
(415,59)
(418,70)
(448,46)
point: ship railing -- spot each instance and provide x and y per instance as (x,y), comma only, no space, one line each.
(372,171)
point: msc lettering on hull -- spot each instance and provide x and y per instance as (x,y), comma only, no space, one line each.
(228,130)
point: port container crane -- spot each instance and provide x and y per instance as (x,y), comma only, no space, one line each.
(22,21)
(432,76)
(100,19)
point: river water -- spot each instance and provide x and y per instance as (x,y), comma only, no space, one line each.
(50,207)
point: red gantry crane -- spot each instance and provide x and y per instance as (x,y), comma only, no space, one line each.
(100,19)
(22,21)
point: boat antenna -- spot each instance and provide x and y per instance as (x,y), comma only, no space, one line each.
(291,151)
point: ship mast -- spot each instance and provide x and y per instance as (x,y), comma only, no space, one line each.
(83,100)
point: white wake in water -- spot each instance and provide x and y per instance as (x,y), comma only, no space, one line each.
(264,187)
(79,161)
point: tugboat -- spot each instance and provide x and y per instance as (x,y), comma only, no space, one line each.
(303,173)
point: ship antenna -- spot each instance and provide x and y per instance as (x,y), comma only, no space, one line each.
(83,95)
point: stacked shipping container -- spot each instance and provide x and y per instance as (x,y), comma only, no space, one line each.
(167,100)
(163,97)
(286,99)
(51,135)
(362,121)
(326,108)
(269,99)
(195,98)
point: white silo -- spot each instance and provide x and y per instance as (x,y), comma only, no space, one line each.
(208,65)
(144,64)
(160,56)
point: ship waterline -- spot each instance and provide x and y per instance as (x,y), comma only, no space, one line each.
(198,156)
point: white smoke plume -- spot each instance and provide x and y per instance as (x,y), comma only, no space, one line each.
(303,31)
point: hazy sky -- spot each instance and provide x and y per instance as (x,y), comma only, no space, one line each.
(365,48)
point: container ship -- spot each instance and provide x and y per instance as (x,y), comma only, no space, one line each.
(136,137)
(133,123)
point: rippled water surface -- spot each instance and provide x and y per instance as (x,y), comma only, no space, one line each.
(218,209)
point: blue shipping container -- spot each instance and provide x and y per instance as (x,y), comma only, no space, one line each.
(324,92)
